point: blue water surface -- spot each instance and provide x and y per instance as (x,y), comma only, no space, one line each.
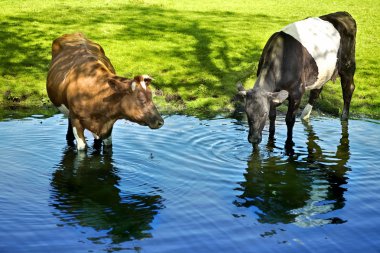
(195,185)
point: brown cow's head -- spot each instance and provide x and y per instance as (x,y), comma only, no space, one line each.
(136,103)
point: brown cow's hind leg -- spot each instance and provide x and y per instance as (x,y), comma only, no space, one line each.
(78,131)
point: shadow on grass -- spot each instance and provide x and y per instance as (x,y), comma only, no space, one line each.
(194,54)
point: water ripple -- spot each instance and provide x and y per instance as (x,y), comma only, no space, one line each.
(193,185)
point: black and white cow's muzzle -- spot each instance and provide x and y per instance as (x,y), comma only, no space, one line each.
(254,138)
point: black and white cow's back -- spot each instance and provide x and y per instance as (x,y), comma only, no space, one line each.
(302,56)
(322,41)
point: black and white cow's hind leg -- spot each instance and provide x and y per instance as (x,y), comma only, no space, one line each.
(348,87)
(314,94)
(347,28)
(346,71)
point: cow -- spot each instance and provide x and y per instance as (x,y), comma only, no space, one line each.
(83,85)
(302,56)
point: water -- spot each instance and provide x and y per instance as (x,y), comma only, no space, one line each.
(192,186)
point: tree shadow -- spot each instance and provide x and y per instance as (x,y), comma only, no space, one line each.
(187,48)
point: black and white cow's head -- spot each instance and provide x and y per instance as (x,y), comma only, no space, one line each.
(257,107)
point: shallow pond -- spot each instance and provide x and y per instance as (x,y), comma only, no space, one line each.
(192,186)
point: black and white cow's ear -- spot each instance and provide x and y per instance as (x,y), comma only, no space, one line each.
(278,97)
(241,91)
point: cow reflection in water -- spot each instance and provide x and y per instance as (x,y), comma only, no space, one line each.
(304,190)
(85,192)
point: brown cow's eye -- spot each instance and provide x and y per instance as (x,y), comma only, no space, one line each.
(143,100)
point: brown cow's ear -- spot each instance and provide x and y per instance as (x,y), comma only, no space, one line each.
(147,79)
(119,84)
(143,80)
(278,97)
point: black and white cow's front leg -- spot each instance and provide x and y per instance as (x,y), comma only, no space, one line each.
(272,121)
(290,121)
(291,117)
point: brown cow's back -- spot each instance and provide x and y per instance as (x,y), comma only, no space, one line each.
(73,55)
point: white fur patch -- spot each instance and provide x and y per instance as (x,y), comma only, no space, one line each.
(322,41)
(63,109)
(81,144)
(133,86)
(306,112)
(96,137)
(143,84)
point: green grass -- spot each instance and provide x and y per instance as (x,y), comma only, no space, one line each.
(196,50)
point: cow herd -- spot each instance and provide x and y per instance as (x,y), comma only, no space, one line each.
(302,56)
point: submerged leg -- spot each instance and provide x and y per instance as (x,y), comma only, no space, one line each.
(70,135)
(108,141)
(272,121)
(291,117)
(308,108)
(97,141)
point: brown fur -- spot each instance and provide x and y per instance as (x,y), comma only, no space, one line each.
(83,79)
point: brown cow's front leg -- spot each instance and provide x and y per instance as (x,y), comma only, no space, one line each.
(348,87)
(108,141)
(70,135)
(78,131)
(105,136)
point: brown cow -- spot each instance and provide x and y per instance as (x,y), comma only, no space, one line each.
(83,85)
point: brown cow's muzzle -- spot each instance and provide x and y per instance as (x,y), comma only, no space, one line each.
(156,123)
(154,119)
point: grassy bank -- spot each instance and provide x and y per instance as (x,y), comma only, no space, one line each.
(196,50)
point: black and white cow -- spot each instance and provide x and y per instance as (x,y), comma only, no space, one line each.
(302,56)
